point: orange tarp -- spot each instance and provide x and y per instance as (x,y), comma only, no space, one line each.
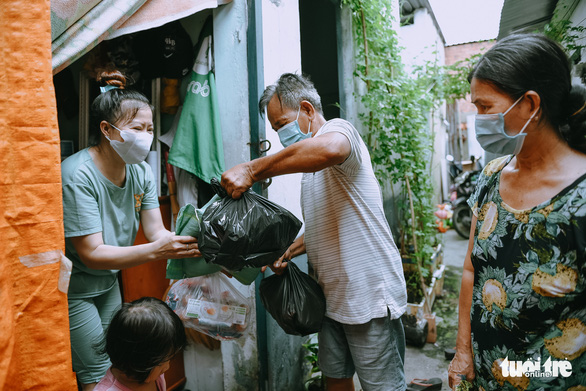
(34,327)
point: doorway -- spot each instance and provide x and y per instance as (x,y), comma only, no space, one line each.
(319,50)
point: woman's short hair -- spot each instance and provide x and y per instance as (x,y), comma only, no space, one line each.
(533,62)
(291,90)
(142,335)
(116,106)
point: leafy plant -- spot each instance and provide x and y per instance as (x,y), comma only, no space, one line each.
(415,291)
(398,123)
(465,385)
(568,35)
(315,380)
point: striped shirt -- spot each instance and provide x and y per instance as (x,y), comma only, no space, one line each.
(347,237)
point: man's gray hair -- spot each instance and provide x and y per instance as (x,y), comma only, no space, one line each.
(291,90)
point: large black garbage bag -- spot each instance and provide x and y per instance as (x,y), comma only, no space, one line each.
(294,300)
(248,232)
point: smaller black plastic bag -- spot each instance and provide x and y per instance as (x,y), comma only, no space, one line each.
(294,300)
(248,232)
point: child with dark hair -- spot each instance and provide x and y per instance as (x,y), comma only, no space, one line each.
(141,339)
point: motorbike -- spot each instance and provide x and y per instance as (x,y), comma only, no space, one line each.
(461,190)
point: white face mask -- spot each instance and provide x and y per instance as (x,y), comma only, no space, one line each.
(135,147)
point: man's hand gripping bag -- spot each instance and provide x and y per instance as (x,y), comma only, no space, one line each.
(294,300)
(248,232)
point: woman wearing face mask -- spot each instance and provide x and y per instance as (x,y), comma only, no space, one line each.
(108,189)
(523,293)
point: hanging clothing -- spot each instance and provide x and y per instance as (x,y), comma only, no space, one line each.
(198,146)
(186,183)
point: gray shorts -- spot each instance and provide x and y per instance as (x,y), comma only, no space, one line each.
(374,350)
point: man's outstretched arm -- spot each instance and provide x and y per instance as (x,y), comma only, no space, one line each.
(309,155)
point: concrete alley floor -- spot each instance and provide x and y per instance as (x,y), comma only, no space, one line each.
(429,361)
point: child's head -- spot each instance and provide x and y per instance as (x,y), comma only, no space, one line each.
(143,335)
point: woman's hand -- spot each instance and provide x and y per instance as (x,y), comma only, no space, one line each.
(97,255)
(172,246)
(461,367)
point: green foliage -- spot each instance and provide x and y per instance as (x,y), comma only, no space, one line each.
(395,121)
(446,82)
(315,376)
(397,127)
(311,358)
(465,385)
(566,34)
(415,291)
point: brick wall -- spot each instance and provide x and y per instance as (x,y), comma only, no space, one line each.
(460,52)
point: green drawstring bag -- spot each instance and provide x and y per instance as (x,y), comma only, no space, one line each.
(188,222)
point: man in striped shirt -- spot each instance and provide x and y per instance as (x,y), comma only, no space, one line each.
(347,238)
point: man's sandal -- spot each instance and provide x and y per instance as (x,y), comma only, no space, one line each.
(449,353)
(435,383)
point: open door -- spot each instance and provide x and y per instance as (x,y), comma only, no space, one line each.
(319,50)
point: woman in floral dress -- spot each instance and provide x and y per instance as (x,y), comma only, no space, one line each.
(522,312)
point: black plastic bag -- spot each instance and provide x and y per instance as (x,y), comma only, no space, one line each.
(294,300)
(248,232)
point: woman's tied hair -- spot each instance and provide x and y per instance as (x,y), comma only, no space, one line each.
(533,62)
(291,90)
(116,106)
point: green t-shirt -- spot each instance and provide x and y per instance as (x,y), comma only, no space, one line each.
(91,204)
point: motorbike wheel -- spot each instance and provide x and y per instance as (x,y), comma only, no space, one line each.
(462,219)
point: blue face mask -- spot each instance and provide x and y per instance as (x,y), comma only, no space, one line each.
(290,133)
(491,135)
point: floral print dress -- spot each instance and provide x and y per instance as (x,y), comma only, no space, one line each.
(529,298)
